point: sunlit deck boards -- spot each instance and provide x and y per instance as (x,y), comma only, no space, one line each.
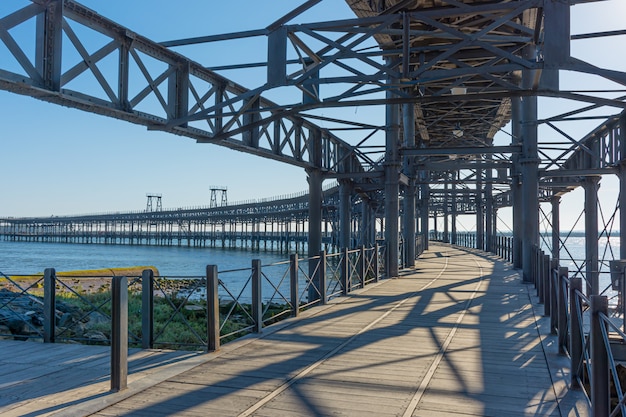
(458,336)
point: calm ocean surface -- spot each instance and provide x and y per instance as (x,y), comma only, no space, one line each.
(23,258)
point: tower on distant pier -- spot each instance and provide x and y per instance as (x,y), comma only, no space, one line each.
(224,198)
(154,202)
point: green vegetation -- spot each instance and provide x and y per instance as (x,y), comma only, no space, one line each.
(178,323)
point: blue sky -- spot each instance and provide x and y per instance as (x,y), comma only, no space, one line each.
(56,160)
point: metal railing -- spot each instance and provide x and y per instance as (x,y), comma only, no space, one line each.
(586,332)
(179,312)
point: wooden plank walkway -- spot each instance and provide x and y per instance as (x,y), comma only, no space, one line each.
(459,335)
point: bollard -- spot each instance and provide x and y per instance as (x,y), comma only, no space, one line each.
(147,309)
(600,394)
(576,339)
(49,305)
(119,333)
(293,280)
(213,309)
(257,300)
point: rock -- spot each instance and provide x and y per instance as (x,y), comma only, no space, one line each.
(96,336)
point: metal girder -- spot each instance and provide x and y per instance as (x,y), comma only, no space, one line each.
(180,87)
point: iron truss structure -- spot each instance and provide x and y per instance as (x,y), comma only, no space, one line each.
(447,76)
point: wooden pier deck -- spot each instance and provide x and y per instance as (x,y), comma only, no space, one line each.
(459,335)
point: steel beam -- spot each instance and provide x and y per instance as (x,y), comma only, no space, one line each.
(408,212)
(392,185)
(556,228)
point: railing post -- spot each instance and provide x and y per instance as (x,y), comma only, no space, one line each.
(545,293)
(543,283)
(147,309)
(576,339)
(362,264)
(345,272)
(119,333)
(49,305)
(376,265)
(322,278)
(562,308)
(213,308)
(293,278)
(600,395)
(257,301)
(554,299)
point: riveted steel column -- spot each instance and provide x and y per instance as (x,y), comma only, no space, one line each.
(424,203)
(480,215)
(489,210)
(119,333)
(591,186)
(446,231)
(556,227)
(600,394)
(516,183)
(453,237)
(530,175)
(392,184)
(48,45)
(622,185)
(408,117)
(315,208)
(345,214)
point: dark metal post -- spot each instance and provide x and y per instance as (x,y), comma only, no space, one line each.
(600,394)
(345,273)
(213,308)
(322,278)
(576,338)
(362,265)
(49,305)
(554,296)
(147,309)
(257,300)
(293,278)
(376,263)
(119,333)
(556,221)
(392,182)
(562,322)
(591,186)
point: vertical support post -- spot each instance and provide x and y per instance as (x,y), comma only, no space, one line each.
(408,118)
(315,206)
(119,333)
(376,263)
(257,300)
(293,280)
(547,288)
(321,273)
(424,207)
(480,215)
(453,238)
(489,209)
(392,182)
(362,264)
(556,227)
(49,305)
(345,209)
(345,273)
(530,165)
(147,309)
(600,394)
(576,338)
(591,186)
(446,219)
(622,186)
(213,309)
(562,322)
